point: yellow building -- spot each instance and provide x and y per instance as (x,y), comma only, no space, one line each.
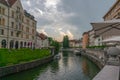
(17,26)
(114,12)
(85,40)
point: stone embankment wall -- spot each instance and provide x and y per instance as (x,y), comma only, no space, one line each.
(23,66)
(97,56)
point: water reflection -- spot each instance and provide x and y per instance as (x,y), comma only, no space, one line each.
(54,67)
(85,67)
(88,67)
(69,67)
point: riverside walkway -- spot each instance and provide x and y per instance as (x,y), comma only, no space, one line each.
(111,68)
(108,73)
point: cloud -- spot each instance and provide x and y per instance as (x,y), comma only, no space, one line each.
(57,18)
(51,18)
(51,4)
(28,3)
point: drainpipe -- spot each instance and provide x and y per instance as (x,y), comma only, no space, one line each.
(35,36)
(8,24)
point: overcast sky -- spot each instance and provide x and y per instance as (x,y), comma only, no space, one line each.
(57,18)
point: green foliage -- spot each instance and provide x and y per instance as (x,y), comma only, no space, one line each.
(56,46)
(10,57)
(97,47)
(66,42)
(50,40)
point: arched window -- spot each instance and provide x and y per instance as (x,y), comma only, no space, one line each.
(28,44)
(21,44)
(3,43)
(16,45)
(11,44)
(3,21)
(24,44)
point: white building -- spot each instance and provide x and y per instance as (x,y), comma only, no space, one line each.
(75,43)
(91,38)
(42,41)
(98,41)
(17,27)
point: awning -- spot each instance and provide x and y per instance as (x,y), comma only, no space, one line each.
(112,39)
(102,27)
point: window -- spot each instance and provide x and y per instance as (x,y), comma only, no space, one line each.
(21,35)
(27,29)
(12,24)
(22,18)
(32,31)
(11,33)
(3,11)
(27,21)
(18,9)
(22,27)
(33,24)
(17,34)
(13,14)
(27,36)
(0,9)
(32,37)
(1,32)
(3,22)
(0,21)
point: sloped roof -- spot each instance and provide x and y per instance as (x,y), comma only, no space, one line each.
(42,36)
(10,2)
(102,27)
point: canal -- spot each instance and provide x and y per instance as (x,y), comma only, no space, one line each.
(69,67)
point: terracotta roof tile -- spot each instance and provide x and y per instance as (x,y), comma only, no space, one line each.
(42,36)
(11,2)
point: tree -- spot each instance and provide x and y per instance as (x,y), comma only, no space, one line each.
(55,44)
(66,42)
(50,40)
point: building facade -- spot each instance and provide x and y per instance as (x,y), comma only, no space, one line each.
(42,41)
(17,26)
(98,41)
(75,43)
(114,12)
(110,27)
(85,40)
(91,37)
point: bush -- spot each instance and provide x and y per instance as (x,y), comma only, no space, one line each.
(96,47)
(10,57)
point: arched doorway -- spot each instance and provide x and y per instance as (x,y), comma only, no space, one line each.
(31,44)
(21,44)
(24,44)
(28,44)
(11,44)
(16,45)
(3,43)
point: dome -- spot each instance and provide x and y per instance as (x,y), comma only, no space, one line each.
(113,51)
